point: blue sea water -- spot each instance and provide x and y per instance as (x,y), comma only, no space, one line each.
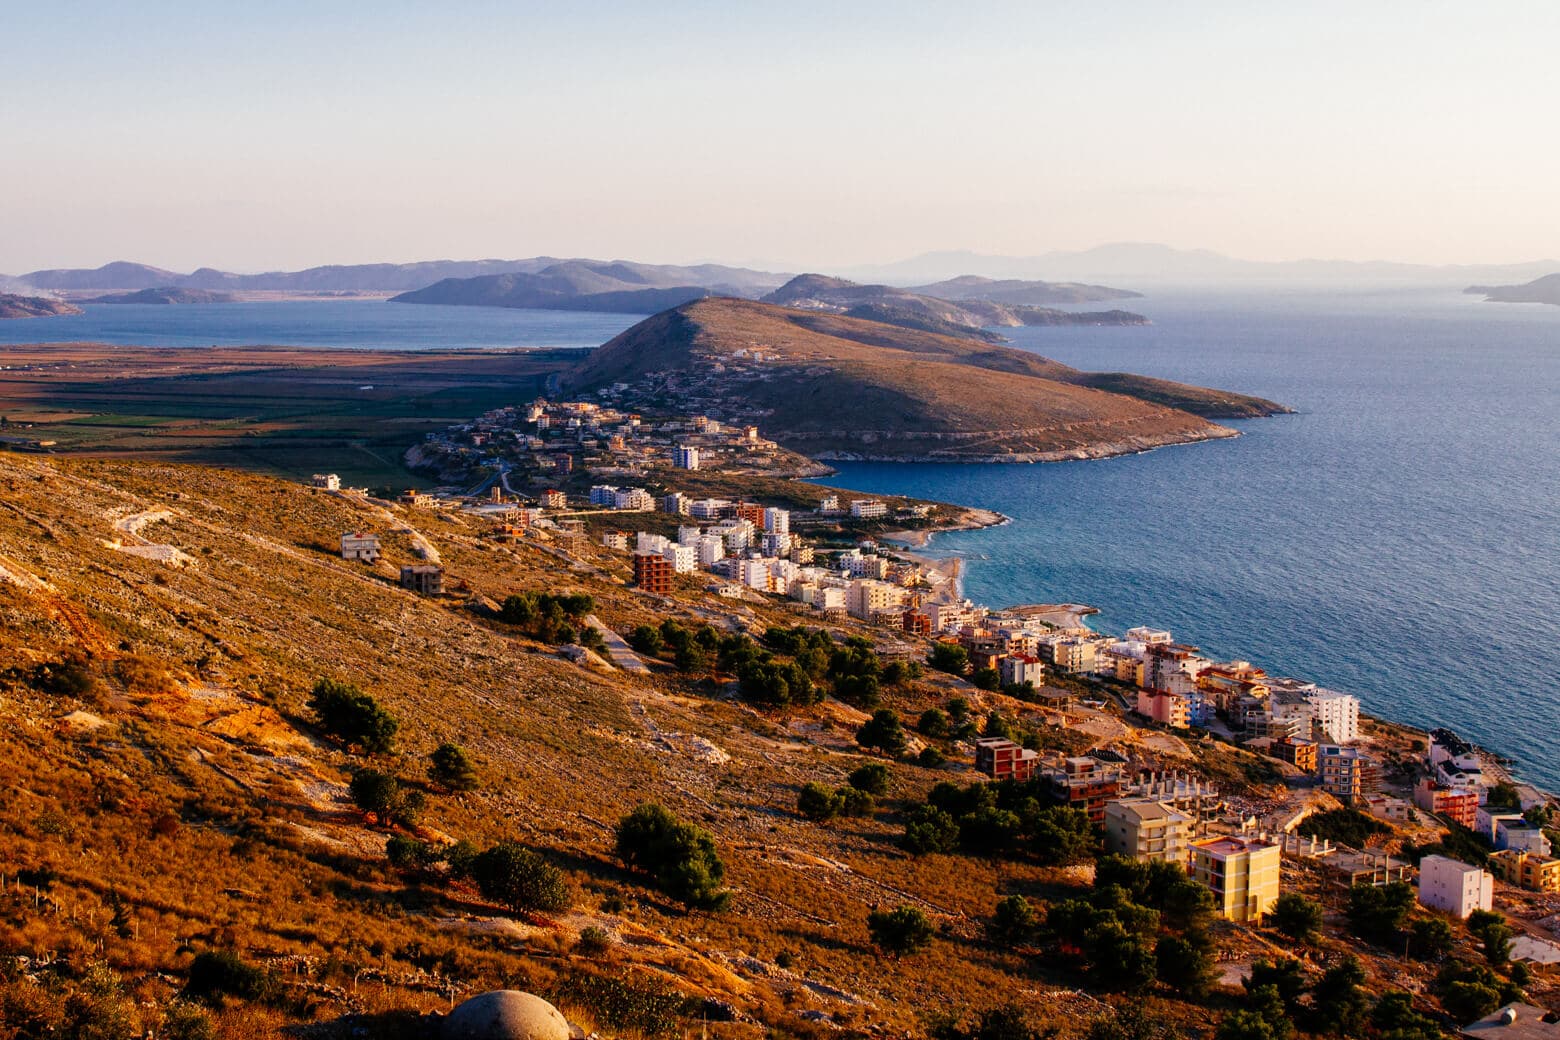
(1399,538)
(365,324)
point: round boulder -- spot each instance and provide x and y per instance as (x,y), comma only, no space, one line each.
(505,1014)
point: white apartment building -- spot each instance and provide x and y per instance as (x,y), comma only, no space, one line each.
(603,495)
(327,481)
(688,534)
(1017,669)
(685,457)
(645,541)
(867,509)
(615,540)
(712,549)
(683,558)
(1148,635)
(1454,886)
(777,545)
(708,508)
(633,500)
(359,546)
(777,521)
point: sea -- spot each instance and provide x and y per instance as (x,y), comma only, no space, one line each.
(1397,538)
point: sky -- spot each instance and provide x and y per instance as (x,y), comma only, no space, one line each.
(277,135)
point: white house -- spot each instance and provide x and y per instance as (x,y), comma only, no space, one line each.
(1454,886)
(357,546)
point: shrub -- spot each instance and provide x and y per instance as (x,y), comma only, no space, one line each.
(949,657)
(882,731)
(1493,933)
(933,723)
(547,617)
(1343,826)
(382,794)
(680,856)
(647,640)
(931,757)
(986,679)
(406,853)
(855,802)
(817,802)
(520,879)
(1013,921)
(352,716)
(1430,938)
(930,829)
(1296,916)
(593,940)
(1060,836)
(451,768)
(215,974)
(71,676)
(871,778)
(903,930)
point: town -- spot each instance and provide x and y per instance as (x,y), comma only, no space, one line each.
(601,483)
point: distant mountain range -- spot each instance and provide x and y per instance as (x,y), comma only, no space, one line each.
(966,306)
(590,285)
(1539,290)
(15,306)
(1146,264)
(124,276)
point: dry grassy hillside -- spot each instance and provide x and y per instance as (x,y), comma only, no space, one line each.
(829,385)
(189,804)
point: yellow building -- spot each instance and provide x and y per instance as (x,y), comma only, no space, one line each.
(1242,874)
(1144,829)
(1529,870)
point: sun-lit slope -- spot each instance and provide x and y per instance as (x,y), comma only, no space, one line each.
(834,385)
(193,792)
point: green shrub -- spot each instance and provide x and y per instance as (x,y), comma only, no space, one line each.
(450,767)
(520,879)
(215,974)
(352,716)
(901,931)
(680,856)
(817,802)
(871,778)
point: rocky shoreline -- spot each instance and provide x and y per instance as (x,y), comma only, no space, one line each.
(1104,450)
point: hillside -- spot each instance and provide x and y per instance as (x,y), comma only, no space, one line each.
(13,305)
(565,287)
(1539,290)
(832,386)
(969,316)
(165,296)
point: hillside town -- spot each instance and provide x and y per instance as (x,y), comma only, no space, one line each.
(596,480)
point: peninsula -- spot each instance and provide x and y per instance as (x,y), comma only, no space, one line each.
(13,305)
(1539,290)
(165,296)
(833,386)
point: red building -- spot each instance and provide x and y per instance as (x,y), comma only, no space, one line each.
(653,573)
(1084,784)
(1004,760)
(917,623)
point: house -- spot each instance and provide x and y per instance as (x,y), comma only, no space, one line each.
(1004,760)
(426,579)
(1241,872)
(1017,669)
(415,498)
(1167,709)
(554,499)
(1143,829)
(360,546)
(1454,886)
(327,481)
(615,540)
(1458,804)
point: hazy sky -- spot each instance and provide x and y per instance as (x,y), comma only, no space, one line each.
(271,135)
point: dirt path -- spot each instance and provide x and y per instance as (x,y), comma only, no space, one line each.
(129,528)
(622,654)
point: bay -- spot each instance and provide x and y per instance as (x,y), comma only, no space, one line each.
(1398,538)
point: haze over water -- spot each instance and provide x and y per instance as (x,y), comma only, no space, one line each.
(1398,539)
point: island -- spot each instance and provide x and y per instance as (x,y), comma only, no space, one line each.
(167,295)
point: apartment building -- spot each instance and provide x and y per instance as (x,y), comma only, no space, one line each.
(1002,759)
(1530,870)
(1086,784)
(360,546)
(685,457)
(1347,773)
(1456,887)
(867,509)
(1242,874)
(653,573)
(1458,804)
(1017,669)
(1143,829)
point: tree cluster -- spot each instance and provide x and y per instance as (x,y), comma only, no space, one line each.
(1001,819)
(1141,922)
(547,617)
(680,856)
